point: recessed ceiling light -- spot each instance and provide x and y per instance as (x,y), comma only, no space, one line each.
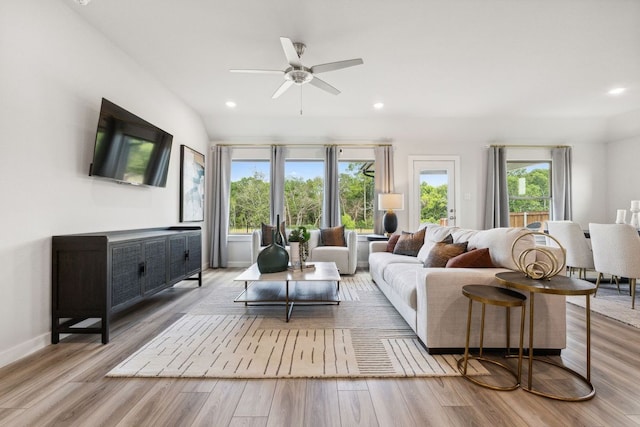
(378,105)
(83,2)
(617,91)
(230,104)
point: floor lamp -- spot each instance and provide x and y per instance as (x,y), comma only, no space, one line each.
(390,202)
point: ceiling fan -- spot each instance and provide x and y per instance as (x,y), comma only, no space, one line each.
(298,73)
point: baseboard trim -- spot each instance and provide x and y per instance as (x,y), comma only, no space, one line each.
(24,349)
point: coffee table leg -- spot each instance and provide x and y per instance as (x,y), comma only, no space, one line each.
(286,300)
(245,293)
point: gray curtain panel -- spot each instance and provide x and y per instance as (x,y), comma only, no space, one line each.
(497,201)
(383,181)
(331,198)
(219,220)
(277,183)
(561,183)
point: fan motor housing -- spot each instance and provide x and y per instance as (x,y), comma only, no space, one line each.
(298,75)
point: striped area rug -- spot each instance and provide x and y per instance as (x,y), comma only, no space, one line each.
(362,337)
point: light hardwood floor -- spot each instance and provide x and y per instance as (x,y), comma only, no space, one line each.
(65,384)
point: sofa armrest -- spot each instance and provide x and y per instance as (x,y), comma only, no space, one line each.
(352,243)
(377,246)
(256,239)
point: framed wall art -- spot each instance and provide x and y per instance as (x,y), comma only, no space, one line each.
(191,185)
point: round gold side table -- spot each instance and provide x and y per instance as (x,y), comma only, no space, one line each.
(556,285)
(502,297)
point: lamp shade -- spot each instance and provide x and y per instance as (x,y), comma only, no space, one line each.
(390,201)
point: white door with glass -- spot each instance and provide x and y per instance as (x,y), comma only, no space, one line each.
(433,190)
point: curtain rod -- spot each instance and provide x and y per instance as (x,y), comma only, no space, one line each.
(528,146)
(368,145)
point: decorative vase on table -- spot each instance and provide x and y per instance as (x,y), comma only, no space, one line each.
(273,258)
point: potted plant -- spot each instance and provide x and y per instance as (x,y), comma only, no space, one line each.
(299,244)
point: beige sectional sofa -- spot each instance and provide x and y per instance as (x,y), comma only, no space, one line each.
(431,301)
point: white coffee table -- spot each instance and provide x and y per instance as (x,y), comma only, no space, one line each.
(321,273)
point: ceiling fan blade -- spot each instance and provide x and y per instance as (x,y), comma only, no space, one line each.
(332,66)
(324,85)
(258,71)
(290,52)
(283,87)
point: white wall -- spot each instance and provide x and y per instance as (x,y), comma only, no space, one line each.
(623,154)
(53,73)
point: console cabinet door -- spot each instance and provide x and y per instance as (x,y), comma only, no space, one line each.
(177,258)
(194,253)
(155,265)
(127,268)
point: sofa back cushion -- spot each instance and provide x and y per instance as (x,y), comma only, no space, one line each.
(499,241)
(409,243)
(434,234)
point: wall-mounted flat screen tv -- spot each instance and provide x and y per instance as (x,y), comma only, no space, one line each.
(129,149)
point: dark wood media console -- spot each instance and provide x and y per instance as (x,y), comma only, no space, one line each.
(95,275)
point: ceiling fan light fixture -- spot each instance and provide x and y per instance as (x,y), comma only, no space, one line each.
(298,76)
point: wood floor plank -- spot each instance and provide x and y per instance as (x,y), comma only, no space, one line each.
(389,404)
(321,407)
(248,422)
(350,384)
(256,398)
(356,409)
(221,403)
(423,403)
(287,408)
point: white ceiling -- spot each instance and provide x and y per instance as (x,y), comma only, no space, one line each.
(424,59)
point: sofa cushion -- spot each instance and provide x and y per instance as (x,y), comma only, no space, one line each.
(267,234)
(443,252)
(391,244)
(401,278)
(434,234)
(500,240)
(409,243)
(475,258)
(333,236)
(379,261)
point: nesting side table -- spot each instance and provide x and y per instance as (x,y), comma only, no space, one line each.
(556,285)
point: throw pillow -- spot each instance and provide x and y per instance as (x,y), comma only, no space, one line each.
(434,234)
(443,252)
(333,236)
(393,240)
(475,258)
(409,243)
(267,234)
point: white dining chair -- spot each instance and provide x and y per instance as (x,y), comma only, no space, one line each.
(616,251)
(578,252)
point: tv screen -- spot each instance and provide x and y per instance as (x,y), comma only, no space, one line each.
(129,149)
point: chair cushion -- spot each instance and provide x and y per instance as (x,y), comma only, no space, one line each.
(333,236)
(442,252)
(409,243)
(475,258)
(267,234)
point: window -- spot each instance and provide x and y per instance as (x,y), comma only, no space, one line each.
(249,198)
(434,199)
(303,187)
(529,188)
(356,195)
